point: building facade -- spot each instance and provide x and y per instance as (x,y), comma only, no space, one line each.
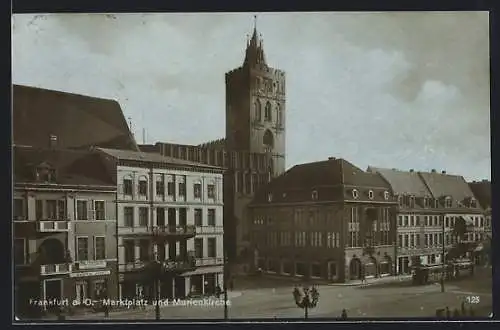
(169,211)
(254,148)
(64,219)
(328,220)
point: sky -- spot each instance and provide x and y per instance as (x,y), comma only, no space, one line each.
(397,90)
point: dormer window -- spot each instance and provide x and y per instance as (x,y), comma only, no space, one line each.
(473,203)
(45,173)
(386,195)
(447,202)
(400,200)
(412,201)
(425,202)
(436,204)
(314,195)
(355,194)
(370,194)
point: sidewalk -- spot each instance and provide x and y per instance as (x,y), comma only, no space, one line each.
(374,281)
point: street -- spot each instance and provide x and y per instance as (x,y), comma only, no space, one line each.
(396,299)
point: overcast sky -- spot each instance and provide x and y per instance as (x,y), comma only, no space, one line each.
(397,90)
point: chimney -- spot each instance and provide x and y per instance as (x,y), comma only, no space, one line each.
(331,158)
(433,170)
(411,170)
(53,141)
(443,172)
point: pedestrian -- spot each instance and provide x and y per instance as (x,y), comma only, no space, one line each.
(344,315)
(218,291)
(462,309)
(448,313)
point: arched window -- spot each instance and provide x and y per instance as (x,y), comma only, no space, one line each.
(258,110)
(278,115)
(268,115)
(268,139)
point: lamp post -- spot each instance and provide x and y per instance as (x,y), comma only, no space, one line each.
(157,270)
(224,283)
(443,252)
(306,298)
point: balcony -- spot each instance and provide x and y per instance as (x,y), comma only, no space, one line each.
(56,269)
(91,264)
(52,226)
(179,266)
(185,231)
(209,262)
(132,266)
(210,230)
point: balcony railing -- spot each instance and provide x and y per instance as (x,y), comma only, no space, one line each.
(210,230)
(187,230)
(179,265)
(209,261)
(53,226)
(132,266)
(56,269)
(91,264)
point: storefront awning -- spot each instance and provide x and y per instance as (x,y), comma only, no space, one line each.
(204,270)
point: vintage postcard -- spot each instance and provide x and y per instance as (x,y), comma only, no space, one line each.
(245,166)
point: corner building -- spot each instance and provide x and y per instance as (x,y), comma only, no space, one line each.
(170,211)
(64,218)
(326,220)
(253,151)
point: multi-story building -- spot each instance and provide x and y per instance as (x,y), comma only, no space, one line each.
(457,202)
(419,219)
(171,211)
(64,218)
(326,219)
(254,148)
(482,192)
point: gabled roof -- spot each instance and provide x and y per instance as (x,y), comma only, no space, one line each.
(442,185)
(73,167)
(139,156)
(482,192)
(78,121)
(403,182)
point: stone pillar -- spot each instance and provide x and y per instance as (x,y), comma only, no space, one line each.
(203,284)
(137,250)
(187,284)
(120,288)
(173,288)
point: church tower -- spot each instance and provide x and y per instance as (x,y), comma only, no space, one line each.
(255,106)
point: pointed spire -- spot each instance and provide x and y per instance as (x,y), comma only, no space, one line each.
(255,52)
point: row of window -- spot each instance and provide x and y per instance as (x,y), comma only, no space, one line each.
(145,250)
(57,209)
(434,221)
(410,201)
(142,188)
(166,216)
(82,249)
(413,240)
(371,239)
(249,183)
(268,112)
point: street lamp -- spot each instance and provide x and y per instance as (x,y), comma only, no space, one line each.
(306,299)
(157,270)
(443,253)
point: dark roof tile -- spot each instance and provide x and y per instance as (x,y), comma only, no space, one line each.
(78,121)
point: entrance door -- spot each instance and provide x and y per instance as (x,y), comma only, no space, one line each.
(180,287)
(53,290)
(332,271)
(81,291)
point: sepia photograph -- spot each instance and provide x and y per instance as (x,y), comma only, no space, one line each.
(187,167)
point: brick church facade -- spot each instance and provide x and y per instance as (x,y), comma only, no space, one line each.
(253,151)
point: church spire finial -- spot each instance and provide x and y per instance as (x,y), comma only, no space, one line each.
(255,22)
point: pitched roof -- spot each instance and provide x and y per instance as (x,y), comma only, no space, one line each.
(482,192)
(334,171)
(73,167)
(78,121)
(403,182)
(442,184)
(151,157)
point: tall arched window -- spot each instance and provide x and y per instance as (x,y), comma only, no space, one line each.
(268,115)
(258,110)
(268,139)
(278,115)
